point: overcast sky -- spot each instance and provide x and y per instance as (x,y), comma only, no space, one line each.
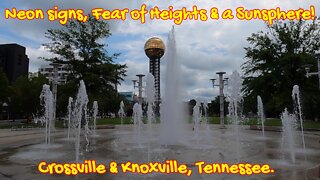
(203,47)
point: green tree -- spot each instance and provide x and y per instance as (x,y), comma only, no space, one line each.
(4,91)
(25,99)
(275,63)
(79,45)
(4,86)
(214,107)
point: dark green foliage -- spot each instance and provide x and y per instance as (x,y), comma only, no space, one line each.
(275,63)
(25,98)
(79,45)
(214,107)
(4,89)
(4,93)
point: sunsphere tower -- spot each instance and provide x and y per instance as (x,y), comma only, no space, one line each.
(154,49)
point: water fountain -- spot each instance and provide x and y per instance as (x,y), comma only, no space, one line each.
(80,115)
(172,119)
(121,112)
(95,113)
(46,99)
(205,121)
(288,133)
(219,147)
(235,97)
(197,116)
(150,92)
(298,110)
(137,121)
(70,107)
(261,117)
(87,132)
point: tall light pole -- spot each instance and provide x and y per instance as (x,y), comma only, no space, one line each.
(308,73)
(54,90)
(140,76)
(221,96)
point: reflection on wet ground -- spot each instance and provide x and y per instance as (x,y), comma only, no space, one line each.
(21,153)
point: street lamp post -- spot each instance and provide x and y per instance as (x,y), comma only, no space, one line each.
(308,73)
(54,90)
(221,96)
(140,76)
(6,109)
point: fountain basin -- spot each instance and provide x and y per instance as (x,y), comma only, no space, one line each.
(120,145)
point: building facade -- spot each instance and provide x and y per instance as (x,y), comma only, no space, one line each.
(14,61)
(63,72)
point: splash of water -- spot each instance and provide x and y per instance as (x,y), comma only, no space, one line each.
(87,132)
(46,100)
(150,92)
(95,113)
(298,110)
(196,119)
(121,112)
(172,119)
(261,113)
(288,132)
(80,113)
(235,97)
(70,105)
(205,122)
(137,121)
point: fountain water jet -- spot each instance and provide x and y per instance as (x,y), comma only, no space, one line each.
(46,99)
(150,92)
(121,113)
(137,121)
(298,110)
(87,132)
(69,115)
(196,119)
(205,122)
(95,113)
(172,119)
(80,113)
(205,117)
(235,97)
(288,132)
(261,113)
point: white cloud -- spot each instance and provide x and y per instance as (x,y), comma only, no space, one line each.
(34,55)
(203,47)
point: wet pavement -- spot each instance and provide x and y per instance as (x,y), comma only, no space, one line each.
(22,151)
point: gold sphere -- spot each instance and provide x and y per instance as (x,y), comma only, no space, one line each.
(154,48)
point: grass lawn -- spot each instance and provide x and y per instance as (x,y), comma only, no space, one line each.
(128,120)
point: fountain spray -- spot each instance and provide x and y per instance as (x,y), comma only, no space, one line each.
(235,96)
(196,119)
(46,99)
(95,113)
(69,115)
(80,112)
(121,113)
(172,119)
(261,113)
(298,110)
(150,92)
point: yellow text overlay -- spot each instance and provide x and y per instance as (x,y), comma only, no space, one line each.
(143,14)
(167,167)
(242,169)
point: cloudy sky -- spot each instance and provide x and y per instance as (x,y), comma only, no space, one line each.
(203,48)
